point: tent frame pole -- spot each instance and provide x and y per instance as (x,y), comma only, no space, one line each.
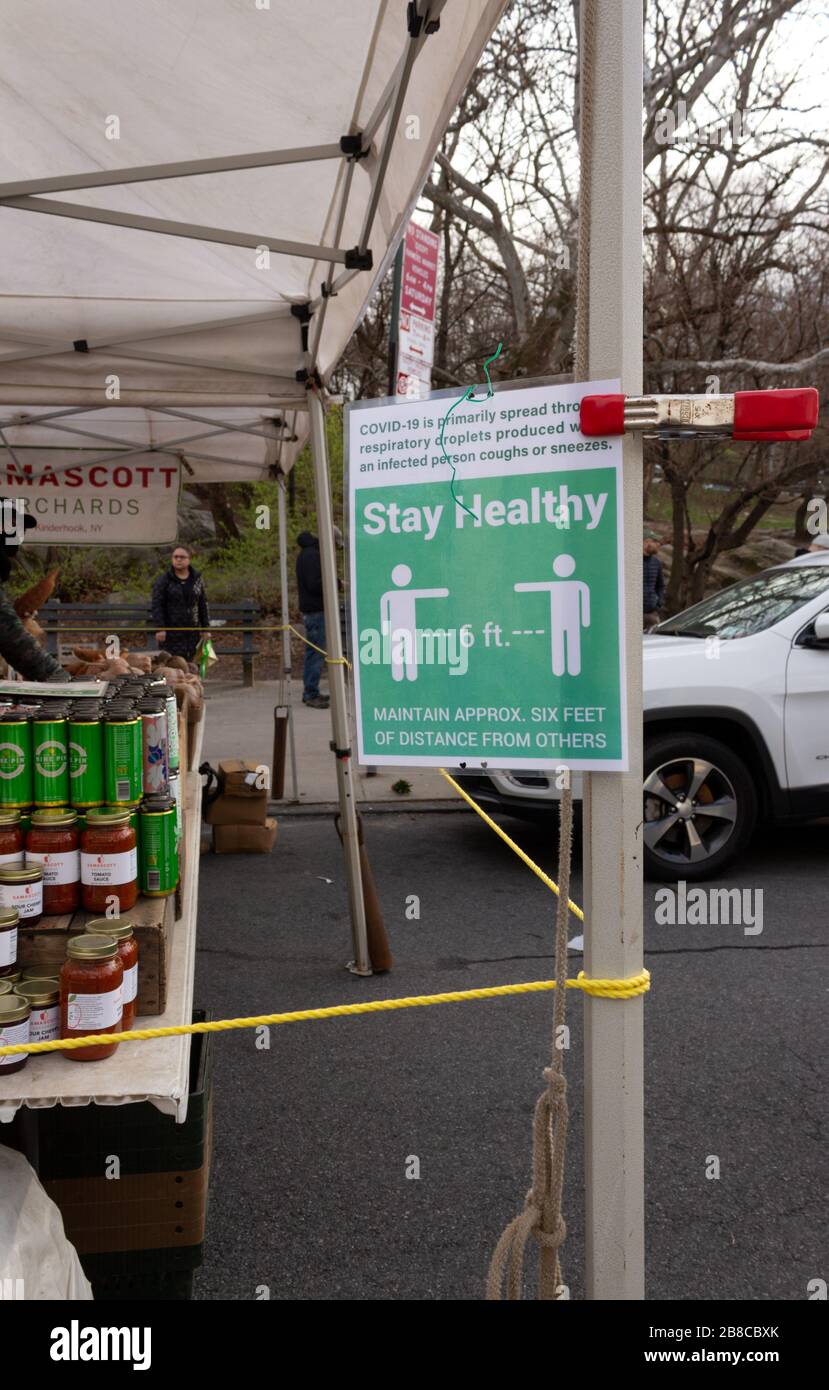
(287,658)
(613,1031)
(341,741)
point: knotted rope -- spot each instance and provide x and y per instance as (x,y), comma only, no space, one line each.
(542,1217)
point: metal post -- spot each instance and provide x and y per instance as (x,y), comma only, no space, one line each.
(287,658)
(614,1124)
(336,683)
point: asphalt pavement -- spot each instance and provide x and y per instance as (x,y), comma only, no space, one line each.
(314,1135)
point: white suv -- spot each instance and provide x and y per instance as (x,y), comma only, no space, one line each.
(736,711)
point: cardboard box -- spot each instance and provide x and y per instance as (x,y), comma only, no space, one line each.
(238,810)
(238,778)
(44,945)
(245,839)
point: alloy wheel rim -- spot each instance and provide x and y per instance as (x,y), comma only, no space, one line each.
(690,811)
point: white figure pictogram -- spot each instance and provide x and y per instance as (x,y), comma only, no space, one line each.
(398,616)
(569,613)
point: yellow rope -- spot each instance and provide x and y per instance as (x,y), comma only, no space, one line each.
(217,632)
(539,873)
(606,989)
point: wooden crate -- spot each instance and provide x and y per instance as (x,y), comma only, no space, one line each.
(44,945)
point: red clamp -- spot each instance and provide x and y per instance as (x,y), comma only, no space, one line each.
(763,415)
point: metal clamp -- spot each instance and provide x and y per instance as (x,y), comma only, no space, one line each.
(758,415)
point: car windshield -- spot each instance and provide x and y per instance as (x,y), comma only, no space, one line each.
(749,607)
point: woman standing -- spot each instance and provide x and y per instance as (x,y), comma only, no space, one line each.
(179,601)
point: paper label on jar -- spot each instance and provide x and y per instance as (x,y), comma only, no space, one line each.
(89,1013)
(8,947)
(98,869)
(10,1035)
(26,897)
(130,984)
(11,858)
(64,867)
(44,1024)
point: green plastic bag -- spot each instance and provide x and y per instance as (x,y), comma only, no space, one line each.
(205,656)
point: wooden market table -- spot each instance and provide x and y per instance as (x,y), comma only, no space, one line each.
(158,1069)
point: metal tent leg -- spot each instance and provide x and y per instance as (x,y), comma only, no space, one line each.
(337,686)
(287,660)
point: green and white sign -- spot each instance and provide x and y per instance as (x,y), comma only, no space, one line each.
(487,629)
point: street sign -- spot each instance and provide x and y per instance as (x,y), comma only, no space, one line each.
(486,628)
(420,271)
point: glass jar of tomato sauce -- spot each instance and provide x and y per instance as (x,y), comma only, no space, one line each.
(52,843)
(9,919)
(122,931)
(109,862)
(11,837)
(91,984)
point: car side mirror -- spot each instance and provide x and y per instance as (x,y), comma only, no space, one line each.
(818,634)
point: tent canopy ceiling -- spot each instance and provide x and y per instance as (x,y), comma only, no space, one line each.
(132,264)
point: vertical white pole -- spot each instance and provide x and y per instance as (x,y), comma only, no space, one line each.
(340,728)
(614,1125)
(287,661)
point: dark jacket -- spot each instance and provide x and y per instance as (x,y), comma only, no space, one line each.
(20,648)
(309,573)
(178,603)
(653,583)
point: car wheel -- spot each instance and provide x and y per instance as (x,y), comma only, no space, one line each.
(700,805)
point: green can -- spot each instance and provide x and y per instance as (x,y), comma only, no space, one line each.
(122,759)
(133,810)
(51,759)
(86,761)
(16,762)
(158,871)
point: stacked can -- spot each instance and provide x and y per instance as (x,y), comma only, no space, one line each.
(159,872)
(86,754)
(122,753)
(51,754)
(16,761)
(154,743)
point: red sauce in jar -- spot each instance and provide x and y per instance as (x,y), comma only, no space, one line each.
(109,862)
(9,919)
(11,837)
(122,931)
(91,983)
(53,842)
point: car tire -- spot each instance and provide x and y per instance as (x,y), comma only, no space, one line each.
(681,843)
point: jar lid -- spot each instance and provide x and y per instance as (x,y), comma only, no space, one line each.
(9,916)
(13,1009)
(119,928)
(9,818)
(97,815)
(58,816)
(6,986)
(91,947)
(38,972)
(18,872)
(39,992)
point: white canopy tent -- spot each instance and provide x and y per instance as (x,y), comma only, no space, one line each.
(196,202)
(181,185)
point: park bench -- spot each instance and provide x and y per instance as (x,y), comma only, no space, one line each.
(81,624)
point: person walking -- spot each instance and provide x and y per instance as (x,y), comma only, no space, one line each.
(309,586)
(653,580)
(179,601)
